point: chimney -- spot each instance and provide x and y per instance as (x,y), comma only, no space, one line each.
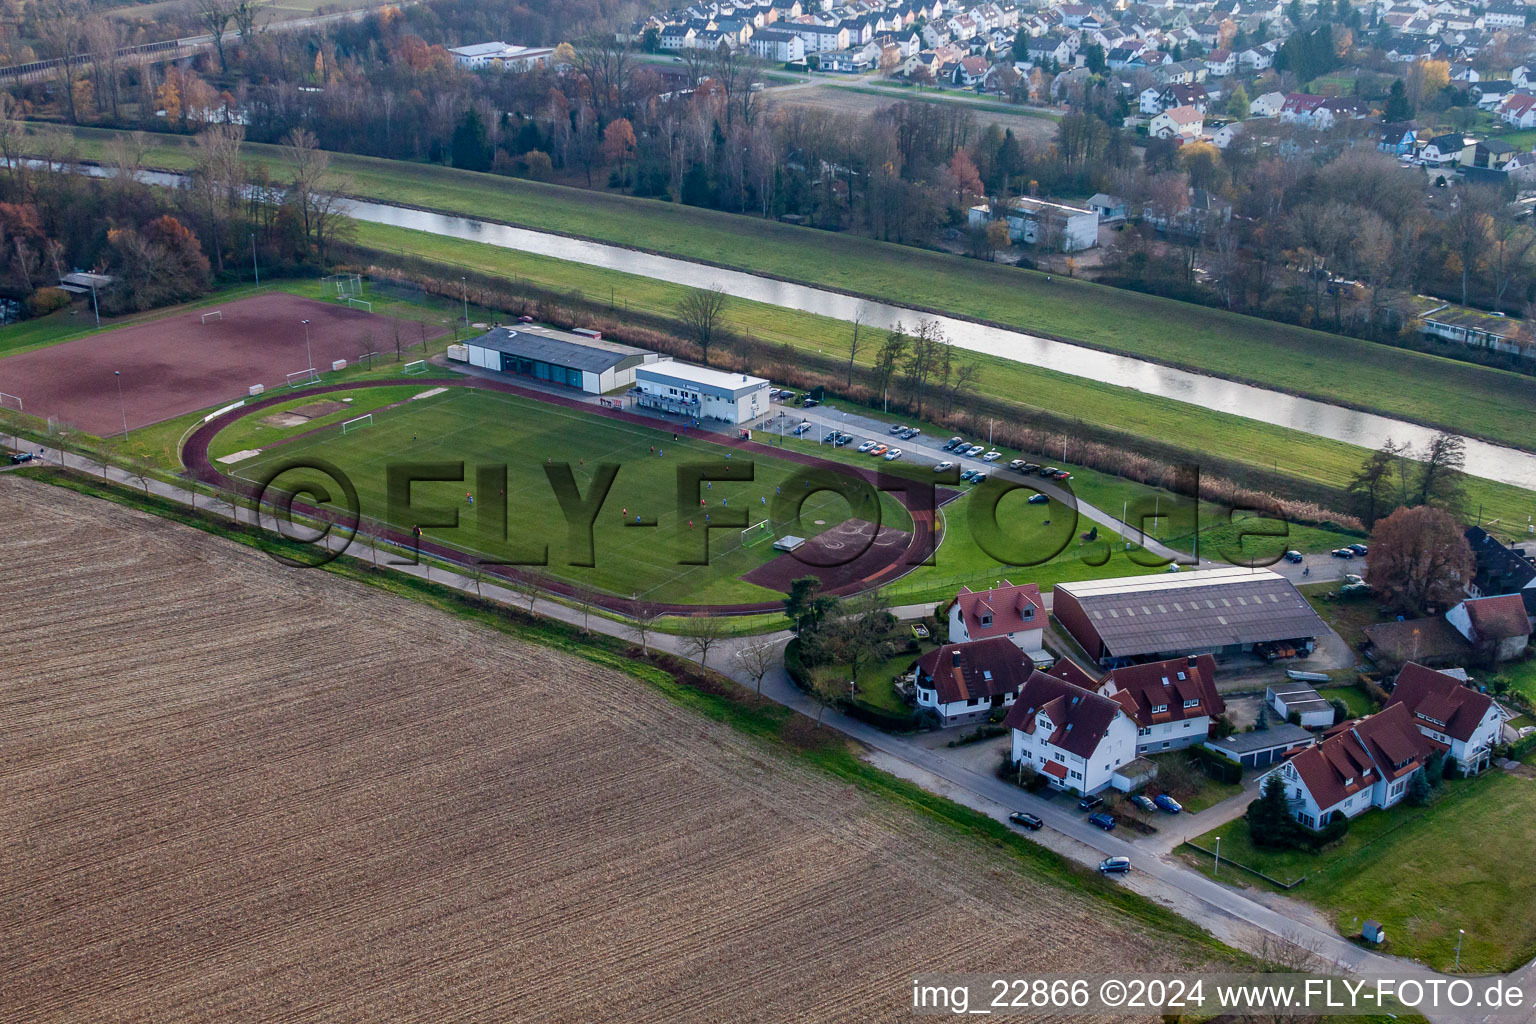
(954,657)
(1192,660)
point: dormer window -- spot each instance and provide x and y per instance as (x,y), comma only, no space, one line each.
(986,618)
(1192,703)
(1158,709)
(1029,613)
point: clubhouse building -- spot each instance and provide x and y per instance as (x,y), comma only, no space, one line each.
(700,392)
(571,360)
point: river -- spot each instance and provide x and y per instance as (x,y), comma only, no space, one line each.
(1321,419)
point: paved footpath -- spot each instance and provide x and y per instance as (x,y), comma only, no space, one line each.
(1232,916)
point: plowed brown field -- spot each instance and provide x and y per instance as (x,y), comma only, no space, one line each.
(235,791)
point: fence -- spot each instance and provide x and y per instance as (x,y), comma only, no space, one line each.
(1272,880)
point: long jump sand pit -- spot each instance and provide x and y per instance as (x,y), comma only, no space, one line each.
(237,791)
(179,364)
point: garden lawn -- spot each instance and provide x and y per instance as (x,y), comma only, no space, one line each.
(1353,697)
(1468,398)
(1348,617)
(1194,790)
(490,428)
(1466,861)
(1521,677)
(1031,389)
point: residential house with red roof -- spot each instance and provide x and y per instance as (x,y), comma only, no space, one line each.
(1455,718)
(1071,735)
(1361,764)
(1174,703)
(966,682)
(1015,611)
(1498,628)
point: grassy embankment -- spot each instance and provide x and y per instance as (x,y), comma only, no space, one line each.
(1471,399)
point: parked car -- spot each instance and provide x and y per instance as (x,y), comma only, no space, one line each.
(974,450)
(1293,556)
(1344,553)
(1061,474)
(21,457)
(992,456)
(893,455)
(1030,467)
(943,466)
(525,319)
(967,474)
(897,428)
(1038,499)
(880,449)
(1017,464)
(842,439)
(1167,803)
(1143,803)
(979,478)
(811,403)
(866,446)
(1103,821)
(953,443)
(1047,471)
(773,393)
(1088,803)
(1350,577)
(1026,820)
(1115,865)
(910,433)
(1359,549)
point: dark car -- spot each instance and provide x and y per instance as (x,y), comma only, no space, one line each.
(1038,499)
(1167,803)
(1143,803)
(1088,803)
(1344,553)
(1048,471)
(1359,549)
(1115,865)
(1293,556)
(810,403)
(953,443)
(1024,820)
(1030,467)
(1103,821)
(21,457)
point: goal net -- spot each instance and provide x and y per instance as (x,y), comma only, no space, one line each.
(10,402)
(357,423)
(756,533)
(419,366)
(360,304)
(342,285)
(300,378)
(217,314)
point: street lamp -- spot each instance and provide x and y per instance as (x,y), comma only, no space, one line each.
(117,375)
(254,267)
(464,292)
(1461,934)
(308,352)
(1217,866)
(95,306)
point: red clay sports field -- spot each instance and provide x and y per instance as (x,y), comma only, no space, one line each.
(179,364)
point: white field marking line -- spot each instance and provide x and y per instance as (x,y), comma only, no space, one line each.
(240,456)
(428,394)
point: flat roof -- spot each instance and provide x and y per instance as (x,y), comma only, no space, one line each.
(1194,610)
(559,347)
(1280,734)
(672,371)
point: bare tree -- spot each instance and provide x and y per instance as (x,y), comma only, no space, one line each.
(322,209)
(1510,255)
(757,660)
(214,16)
(702,635)
(642,623)
(860,319)
(702,312)
(244,13)
(606,63)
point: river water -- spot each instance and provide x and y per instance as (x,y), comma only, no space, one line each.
(1368,430)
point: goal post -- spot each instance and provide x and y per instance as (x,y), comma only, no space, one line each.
(10,402)
(342,286)
(357,423)
(356,303)
(217,314)
(414,368)
(302,378)
(756,533)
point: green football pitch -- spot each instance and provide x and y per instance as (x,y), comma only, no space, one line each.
(490,429)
